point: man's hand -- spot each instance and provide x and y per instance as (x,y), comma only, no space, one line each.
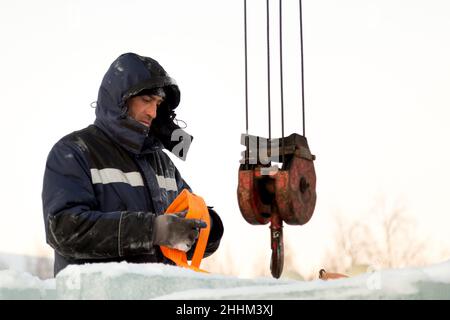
(175,231)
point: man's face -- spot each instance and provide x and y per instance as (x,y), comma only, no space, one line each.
(143,108)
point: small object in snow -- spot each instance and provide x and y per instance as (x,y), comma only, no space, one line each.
(323,275)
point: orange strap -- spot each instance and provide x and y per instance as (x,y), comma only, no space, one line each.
(197,209)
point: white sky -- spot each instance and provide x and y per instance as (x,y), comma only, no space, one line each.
(377,75)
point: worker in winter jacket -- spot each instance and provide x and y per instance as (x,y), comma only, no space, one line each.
(107,186)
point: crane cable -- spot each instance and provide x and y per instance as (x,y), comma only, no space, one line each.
(302,70)
(268,69)
(281,81)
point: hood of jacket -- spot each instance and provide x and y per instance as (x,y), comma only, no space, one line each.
(128,75)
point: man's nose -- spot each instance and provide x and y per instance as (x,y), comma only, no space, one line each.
(151,111)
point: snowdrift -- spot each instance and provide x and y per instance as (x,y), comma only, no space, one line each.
(157,281)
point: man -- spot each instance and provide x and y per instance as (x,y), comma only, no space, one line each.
(107,186)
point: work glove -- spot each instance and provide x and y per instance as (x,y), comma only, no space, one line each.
(175,231)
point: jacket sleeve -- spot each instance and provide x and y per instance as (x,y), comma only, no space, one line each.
(74,228)
(216,233)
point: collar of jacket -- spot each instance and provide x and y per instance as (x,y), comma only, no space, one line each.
(130,134)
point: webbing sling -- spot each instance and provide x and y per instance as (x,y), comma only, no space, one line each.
(197,209)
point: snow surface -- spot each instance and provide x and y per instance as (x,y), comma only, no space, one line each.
(157,281)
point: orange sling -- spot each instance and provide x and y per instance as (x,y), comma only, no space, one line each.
(197,209)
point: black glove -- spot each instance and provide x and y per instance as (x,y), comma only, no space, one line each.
(174,231)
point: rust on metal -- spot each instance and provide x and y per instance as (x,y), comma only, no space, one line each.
(267,194)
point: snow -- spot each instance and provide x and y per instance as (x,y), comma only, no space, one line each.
(157,281)
(21,285)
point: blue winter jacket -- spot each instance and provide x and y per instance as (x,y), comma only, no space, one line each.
(105,184)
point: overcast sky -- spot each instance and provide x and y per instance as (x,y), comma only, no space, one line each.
(377,74)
